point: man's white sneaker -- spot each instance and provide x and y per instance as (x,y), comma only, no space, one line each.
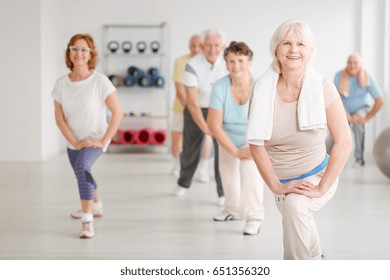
(97,213)
(176,172)
(87,230)
(203,175)
(252,227)
(179,191)
(225,216)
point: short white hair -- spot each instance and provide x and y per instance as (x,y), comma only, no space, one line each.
(301,28)
(212,32)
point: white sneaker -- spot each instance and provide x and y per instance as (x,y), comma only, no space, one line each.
(320,257)
(221,201)
(176,169)
(252,227)
(202,174)
(225,216)
(323,255)
(97,213)
(87,230)
(179,191)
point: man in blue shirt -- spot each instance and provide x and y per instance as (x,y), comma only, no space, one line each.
(362,99)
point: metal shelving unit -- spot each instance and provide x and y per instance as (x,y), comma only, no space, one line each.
(152,102)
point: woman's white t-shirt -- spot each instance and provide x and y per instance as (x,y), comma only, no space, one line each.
(83,104)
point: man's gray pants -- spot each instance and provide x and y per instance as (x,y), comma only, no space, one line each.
(358,133)
(192,148)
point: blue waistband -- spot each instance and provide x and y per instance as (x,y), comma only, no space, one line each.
(316,170)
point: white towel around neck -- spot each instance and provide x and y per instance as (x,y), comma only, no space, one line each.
(311,105)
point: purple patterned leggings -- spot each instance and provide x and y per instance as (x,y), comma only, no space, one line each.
(81,161)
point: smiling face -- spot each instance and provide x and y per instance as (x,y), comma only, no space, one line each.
(80,53)
(212,47)
(354,65)
(238,65)
(293,52)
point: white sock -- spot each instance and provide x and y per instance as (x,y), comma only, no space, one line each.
(86,218)
(203,164)
(97,205)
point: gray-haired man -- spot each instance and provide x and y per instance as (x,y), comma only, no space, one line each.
(201,72)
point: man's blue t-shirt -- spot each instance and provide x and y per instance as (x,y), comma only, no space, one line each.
(359,97)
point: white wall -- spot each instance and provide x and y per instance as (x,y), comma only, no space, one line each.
(51,140)
(386,73)
(39,31)
(252,21)
(383,9)
(372,49)
(20,108)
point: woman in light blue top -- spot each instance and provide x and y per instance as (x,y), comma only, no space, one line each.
(228,120)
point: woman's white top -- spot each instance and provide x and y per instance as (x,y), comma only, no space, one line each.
(83,104)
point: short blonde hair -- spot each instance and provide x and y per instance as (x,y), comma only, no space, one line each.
(291,25)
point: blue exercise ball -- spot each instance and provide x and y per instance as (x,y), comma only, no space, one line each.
(382,152)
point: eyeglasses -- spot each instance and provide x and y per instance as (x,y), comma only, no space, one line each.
(74,49)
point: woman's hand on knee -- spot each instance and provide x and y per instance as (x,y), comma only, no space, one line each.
(315,192)
(298,187)
(79,145)
(91,143)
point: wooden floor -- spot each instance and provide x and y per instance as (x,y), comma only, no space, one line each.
(143,221)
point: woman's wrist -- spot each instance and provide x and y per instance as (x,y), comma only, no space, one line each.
(103,142)
(236,153)
(275,188)
(75,143)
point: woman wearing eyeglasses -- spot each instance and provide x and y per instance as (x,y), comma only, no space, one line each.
(80,100)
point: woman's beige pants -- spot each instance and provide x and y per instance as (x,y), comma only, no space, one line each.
(300,236)
(242,185)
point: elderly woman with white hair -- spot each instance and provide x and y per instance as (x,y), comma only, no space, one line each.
(358,91)
(292,106)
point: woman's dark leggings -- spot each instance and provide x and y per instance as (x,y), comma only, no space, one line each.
(81,161)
